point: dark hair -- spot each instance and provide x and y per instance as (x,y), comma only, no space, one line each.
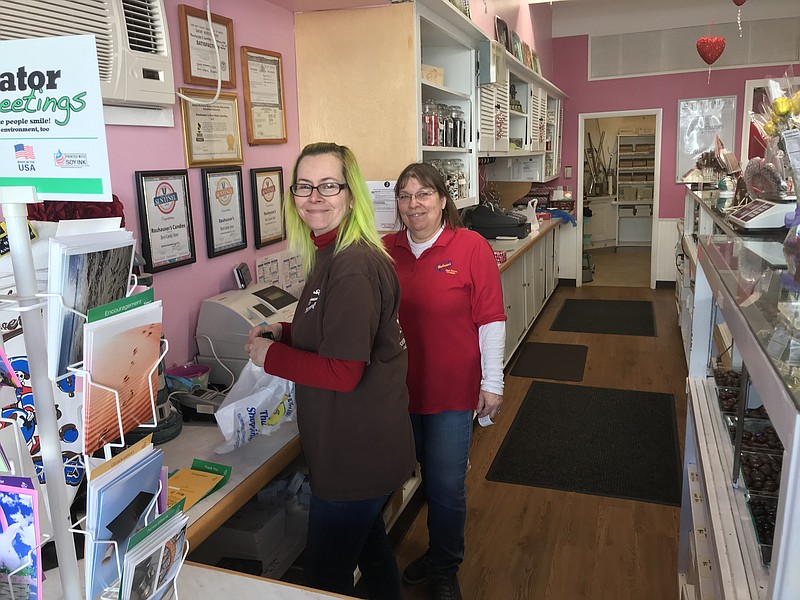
(429,176)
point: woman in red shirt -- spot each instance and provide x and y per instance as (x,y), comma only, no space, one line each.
(453,319)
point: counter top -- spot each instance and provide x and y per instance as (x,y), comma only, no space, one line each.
(255,464)
(516,248)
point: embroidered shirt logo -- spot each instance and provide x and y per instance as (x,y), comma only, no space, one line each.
(446,266)
(312,302)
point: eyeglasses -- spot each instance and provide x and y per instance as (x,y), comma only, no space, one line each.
(421,196)
(327,189)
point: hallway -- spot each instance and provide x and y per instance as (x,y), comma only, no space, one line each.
(530,543)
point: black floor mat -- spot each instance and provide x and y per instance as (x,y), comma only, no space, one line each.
(616,317)
(599,441)
(564,362)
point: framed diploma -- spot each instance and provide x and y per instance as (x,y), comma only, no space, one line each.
(266,186)
(197,48)
(265,112)
(165,219)
(224,207)
(211,133)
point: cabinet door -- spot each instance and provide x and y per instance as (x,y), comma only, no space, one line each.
(549,264)
(554,273)
(514,300)
(539,259)
(532,290)
(493,99)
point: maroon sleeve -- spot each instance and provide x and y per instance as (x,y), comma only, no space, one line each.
(286,333)
(309,368)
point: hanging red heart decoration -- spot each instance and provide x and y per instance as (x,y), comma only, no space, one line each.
(710,48)
(739,2)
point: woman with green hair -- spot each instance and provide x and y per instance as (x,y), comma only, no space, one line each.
(347,356)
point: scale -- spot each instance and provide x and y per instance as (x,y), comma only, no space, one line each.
(761,214)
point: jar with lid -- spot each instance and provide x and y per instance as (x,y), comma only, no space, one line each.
(451,178)
(459,127)
(461,177)
(445,125)
(430,123)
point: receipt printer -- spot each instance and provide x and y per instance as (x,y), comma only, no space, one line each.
(226,320)
(491,222)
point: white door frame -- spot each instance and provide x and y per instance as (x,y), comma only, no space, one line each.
(654,249)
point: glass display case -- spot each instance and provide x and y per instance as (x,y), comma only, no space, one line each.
(741,496)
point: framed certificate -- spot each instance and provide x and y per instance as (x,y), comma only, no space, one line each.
(211,133)
(224,208)
(265,112)
(197,48)
(266,186)
(165,219)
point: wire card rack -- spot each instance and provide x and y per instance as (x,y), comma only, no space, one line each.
(29,303)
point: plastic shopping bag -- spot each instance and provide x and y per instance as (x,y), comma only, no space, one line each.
(257,404)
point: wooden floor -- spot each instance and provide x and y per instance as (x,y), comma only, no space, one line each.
(623,266)
(535,544)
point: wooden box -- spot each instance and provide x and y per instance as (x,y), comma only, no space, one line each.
(433,74)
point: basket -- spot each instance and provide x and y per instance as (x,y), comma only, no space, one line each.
(188,377)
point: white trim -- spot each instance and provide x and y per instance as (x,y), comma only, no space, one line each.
(654,249)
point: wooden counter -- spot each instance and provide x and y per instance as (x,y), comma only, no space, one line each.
(517,248)
(254,465)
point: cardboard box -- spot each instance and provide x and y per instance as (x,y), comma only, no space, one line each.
(647,131)
(628,194)
(433,74)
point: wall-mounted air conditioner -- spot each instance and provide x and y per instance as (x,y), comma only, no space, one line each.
(133,51)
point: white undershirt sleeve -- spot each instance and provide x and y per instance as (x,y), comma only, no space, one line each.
(492,342)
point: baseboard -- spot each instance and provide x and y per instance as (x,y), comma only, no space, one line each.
(665,285)
(566,282)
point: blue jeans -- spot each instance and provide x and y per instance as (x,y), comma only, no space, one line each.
(343,535)
(442,443)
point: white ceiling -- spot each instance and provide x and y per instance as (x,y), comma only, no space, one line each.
(606,17)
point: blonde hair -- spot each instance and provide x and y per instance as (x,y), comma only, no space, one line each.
(358,224)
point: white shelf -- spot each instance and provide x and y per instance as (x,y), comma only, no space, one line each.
(516,113)
(440,92)
(449,149)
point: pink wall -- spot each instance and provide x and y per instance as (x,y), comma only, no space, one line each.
(570,64)
(256,23)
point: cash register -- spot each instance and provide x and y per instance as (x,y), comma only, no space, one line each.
(491,221)
(226,320)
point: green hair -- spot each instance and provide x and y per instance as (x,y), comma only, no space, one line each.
(358,224)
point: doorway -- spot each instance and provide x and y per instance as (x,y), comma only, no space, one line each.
(618,193)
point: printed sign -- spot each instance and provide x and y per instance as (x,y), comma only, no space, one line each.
(52,133)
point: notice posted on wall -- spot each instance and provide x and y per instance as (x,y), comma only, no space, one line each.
(384,205)
(52,132)
(282,269)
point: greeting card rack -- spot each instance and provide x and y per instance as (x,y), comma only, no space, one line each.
(15,211)
(29,305)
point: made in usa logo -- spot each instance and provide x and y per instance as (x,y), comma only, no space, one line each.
(26,158)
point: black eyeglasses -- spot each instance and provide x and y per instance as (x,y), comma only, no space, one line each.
(328,189)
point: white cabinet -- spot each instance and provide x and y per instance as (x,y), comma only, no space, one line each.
(493,134)
(529,279)
(513,279)
(719,552)
(374,56)
(603,224)
(635,185)
(529,134)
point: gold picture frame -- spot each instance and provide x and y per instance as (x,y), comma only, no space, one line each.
(197,51)
(211,132)
(265,108)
